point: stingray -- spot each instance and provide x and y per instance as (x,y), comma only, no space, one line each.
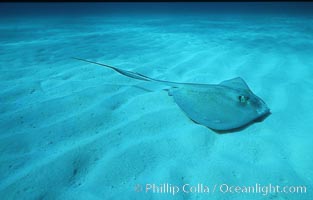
(226,106)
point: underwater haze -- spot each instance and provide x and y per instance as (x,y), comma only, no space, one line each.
(76,131)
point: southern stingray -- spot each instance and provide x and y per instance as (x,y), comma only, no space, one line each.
(222,107)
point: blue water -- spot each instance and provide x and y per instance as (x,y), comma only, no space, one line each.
(72,130)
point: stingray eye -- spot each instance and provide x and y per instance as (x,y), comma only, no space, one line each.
(243,99)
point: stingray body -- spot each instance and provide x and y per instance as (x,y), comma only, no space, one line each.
(225,106)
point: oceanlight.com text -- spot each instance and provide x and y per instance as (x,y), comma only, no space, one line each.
(172,189)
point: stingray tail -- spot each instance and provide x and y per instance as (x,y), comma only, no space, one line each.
(131,74)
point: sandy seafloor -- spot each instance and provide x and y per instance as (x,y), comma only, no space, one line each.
(72,130)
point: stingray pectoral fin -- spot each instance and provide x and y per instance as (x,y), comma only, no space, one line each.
(236,83)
